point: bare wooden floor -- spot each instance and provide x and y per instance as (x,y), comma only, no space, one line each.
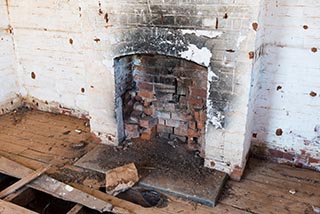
(36,139)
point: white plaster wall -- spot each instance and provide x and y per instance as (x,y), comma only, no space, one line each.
(48,42)
(289,73)
(8,77)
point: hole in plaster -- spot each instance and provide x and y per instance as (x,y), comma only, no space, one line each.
(314,50)
(83,90)
(225,16)
(212,163)
(279,87)
(217,23)
(279,132)
(251,55)
(255,26)
(33,75)
(305,27)
(254,135)
(231,50)
(106,18)
(313,94)
(100,12)
(71,41)
(97,40)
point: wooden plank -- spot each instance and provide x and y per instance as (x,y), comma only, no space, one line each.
(23,181)
(260,198)
(284,172)
(54,187)
(306,190)
(15,194)
(30,162)
(76,209)
(10,208)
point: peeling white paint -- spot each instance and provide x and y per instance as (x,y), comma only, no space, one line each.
(240,40)
(207,33)
(68,188)
(200,56)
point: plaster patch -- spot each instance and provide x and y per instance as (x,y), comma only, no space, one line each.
(201,56)
(240,40)
(68,188)
(207,33)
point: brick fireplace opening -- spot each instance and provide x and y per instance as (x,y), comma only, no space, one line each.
(163,96)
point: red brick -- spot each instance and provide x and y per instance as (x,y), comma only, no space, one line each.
(133,134)
(135,116)
(192,133)
(172,123)
(164,129)
(183,100)
(148,111)
(163,115)
(170,107)
(131,127)
(145,86)
(203,115)
(196,115)
(145,136)
(149,133)
(196,102)
(313,160)
(138,106)
(201,125)
(181,116)
(181,138)
(147,103)
(161,121)
(95,138)
(180,131)
(199,93)
(192,124)
(148,122)
(146,94)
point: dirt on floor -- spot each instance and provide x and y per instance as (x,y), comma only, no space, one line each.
(170,158)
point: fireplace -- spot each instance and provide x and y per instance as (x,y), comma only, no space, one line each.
(216,40)
(162,96)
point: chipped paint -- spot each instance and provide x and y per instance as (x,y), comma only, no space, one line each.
(207,33)
(201,56)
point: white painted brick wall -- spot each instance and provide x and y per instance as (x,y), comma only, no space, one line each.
(8,77)
(289,72)
(48,41)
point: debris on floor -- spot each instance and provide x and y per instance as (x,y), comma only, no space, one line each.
(162,167)
(121,178)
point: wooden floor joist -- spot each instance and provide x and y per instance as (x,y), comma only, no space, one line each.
(54,187)
(76,209)
(23,182)
(10,208)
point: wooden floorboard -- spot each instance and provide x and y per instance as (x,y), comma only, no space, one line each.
(35,139)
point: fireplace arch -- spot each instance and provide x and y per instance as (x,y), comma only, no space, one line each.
(160,95)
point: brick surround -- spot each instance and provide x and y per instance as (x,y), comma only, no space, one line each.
(161,95)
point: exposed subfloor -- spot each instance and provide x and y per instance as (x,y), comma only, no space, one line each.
(36,139)
(162,166)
